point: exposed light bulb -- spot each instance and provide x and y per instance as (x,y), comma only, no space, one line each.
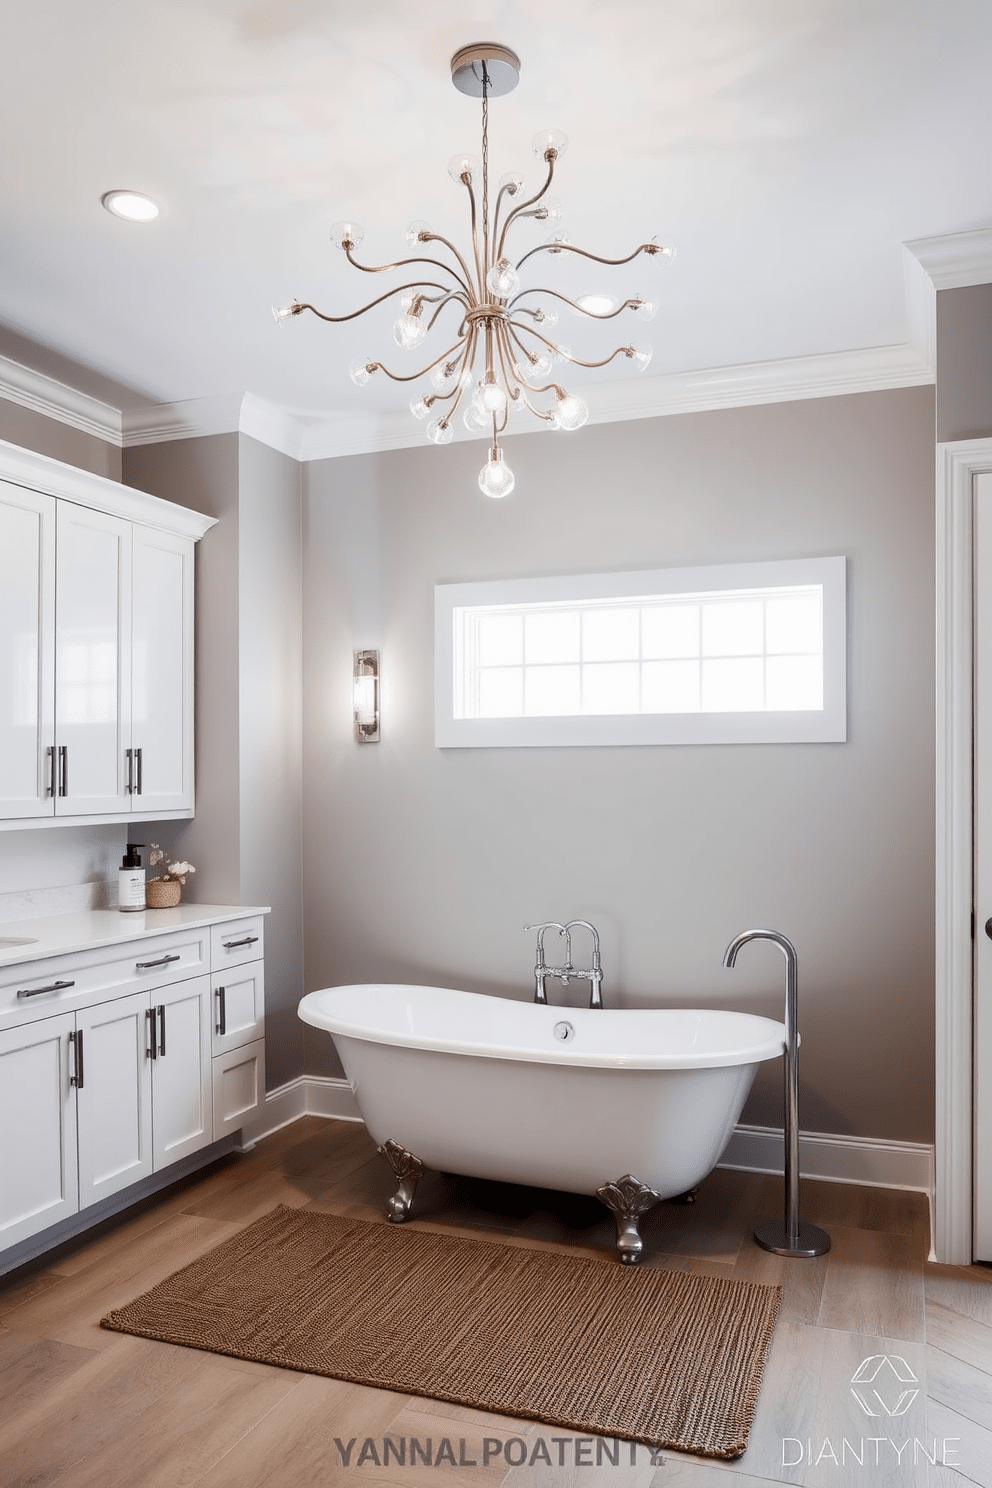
(460,166)
(409,331)
(346,233)
(282,313)
(549,143)
(421,407)
(439,431)
(475,419)
(361,370)
(659,252)
(496,477)
(493,398)
(546,318)
(549,211)
(641,358)
(443,375)
(503,279)
(572,412)
(413,232)
(540,365)
(563,353)
(646,309)
(512,184)
(559,243)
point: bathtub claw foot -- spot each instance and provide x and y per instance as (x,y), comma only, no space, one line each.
(628,1198)
(408,1170)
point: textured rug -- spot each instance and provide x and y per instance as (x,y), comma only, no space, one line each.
(654,1356)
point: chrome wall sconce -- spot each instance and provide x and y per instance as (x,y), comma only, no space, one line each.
(366,696)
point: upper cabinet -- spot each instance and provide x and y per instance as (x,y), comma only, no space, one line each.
(96,647)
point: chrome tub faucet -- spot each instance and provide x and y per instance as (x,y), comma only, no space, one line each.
(567,972)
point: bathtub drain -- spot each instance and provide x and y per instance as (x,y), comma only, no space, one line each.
(563,1031)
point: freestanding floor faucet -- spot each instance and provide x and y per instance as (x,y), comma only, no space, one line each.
(791,1238)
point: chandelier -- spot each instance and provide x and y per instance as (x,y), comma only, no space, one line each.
(500,357)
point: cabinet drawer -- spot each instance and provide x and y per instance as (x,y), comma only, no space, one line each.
(58,983)
(238,1003)
(239,1087)
(237,941)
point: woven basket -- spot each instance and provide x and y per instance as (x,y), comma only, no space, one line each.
(163,893)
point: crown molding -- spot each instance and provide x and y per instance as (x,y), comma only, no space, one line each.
(955,260)
(195,418)
(26,467)
(56,400)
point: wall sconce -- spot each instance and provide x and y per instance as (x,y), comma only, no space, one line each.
(366,696)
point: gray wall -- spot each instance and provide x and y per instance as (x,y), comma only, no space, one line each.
(964,362)
(423,865)
(49,437)
(245,837)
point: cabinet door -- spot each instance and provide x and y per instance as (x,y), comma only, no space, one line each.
(27,651)
(161,672)
(239,1006)
(38,1181)
(182,1112)
(239,1087)
(92,661)
(114,1096)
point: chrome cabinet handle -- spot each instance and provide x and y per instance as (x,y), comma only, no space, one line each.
(221,1026)
(37,991)
(129,760)
(162,961)
(138,774)
(50,770)
(76,1040)
(151,1053)
(63,769)
(161,1043)
(231,945)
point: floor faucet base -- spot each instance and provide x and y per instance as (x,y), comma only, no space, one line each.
(628,1198)
(811,1241)
(408,1170)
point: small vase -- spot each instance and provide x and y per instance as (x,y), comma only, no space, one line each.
(163,893)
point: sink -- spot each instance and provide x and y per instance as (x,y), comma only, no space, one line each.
(7,942)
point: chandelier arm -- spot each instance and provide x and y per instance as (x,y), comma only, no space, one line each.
(467,183)
(611,263)
(412,376)
(503,191)
(337,319)
(457,388)
(503,351)
(455,294)
(576,361)
(524,205)
(406,263)
(465,283)
(592,314)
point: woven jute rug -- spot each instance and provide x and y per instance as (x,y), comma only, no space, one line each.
(654,1356)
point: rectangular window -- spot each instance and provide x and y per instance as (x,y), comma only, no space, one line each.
(740,653)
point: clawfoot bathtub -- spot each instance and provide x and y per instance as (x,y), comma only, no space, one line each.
(631,1105)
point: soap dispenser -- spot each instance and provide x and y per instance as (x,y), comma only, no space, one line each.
(131,880)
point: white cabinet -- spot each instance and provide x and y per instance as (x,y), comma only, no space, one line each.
(27,651)
(117,1062)
(38,1174)
(96,647)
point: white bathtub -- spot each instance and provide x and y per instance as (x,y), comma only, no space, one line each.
(483,1086)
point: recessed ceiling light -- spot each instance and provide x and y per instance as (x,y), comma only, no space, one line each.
(133,206)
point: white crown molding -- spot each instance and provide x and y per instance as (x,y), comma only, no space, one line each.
(193,419)
(25,467)
(56,400)
(955,260)
(832,374)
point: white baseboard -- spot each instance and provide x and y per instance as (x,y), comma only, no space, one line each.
(834,1159)
(753,1149)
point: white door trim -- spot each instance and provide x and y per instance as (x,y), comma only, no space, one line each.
(957,466)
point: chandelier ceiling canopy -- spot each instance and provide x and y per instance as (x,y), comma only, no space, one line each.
(497,356)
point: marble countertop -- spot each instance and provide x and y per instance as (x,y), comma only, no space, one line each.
(52,935)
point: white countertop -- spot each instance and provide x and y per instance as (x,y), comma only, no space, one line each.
(51,935)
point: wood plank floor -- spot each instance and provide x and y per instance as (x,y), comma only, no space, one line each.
(83,1406)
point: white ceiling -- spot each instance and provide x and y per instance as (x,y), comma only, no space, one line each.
(788,148)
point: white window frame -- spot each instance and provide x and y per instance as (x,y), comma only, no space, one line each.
(828,725)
